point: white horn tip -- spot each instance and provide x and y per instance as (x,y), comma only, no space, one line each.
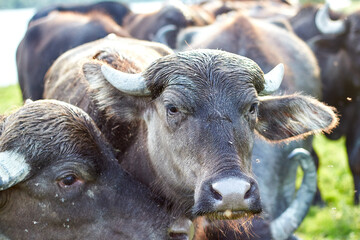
(327,26)
(28,101)
(133,84)
(274,78)
(13,169)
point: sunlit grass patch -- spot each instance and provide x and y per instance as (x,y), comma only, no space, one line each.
(334,174)
(339,219)
(340,222)
(10,98)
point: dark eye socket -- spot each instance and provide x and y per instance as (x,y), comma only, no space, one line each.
(69,180)
(253,108)
(171,109)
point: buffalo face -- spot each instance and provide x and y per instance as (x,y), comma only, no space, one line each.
(201,110)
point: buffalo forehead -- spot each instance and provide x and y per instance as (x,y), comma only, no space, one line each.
(209,57)
(204,69)
(48,129)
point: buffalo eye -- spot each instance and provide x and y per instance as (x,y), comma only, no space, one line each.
(69,180)
(253,108)
(172,110)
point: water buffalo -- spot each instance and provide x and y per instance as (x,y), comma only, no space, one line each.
(172,16)
(48,37)
(59,179)
(266,44)
(58,28)
(164,24)
(274,10)
(184,123)
(116,10)
(337,50)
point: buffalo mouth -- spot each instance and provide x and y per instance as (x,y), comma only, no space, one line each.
(227,214)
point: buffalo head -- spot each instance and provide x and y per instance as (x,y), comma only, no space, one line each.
(199,111)
(345,32)
(60,180)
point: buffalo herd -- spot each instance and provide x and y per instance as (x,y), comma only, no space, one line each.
(189,122)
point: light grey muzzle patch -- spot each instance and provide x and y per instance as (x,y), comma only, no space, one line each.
(232,191)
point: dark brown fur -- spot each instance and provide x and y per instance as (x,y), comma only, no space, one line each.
(58,140)
(48,37)
(255,228)
(263,42)
(116,10)
(146,26)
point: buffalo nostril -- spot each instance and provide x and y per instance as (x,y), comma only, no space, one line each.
(249,192)
(216,194)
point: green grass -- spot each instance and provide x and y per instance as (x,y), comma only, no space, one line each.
(10,98)
(339,219)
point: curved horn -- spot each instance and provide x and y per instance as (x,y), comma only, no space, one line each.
(132,84)
(273,79)
(160,35)
(327,26)
(283,226)
(13,169)
(27,101)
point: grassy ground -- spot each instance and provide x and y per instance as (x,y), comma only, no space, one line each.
(10,98)
(339,220)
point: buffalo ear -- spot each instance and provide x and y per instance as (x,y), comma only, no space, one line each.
(109,99)
(293,116)
(92,73)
